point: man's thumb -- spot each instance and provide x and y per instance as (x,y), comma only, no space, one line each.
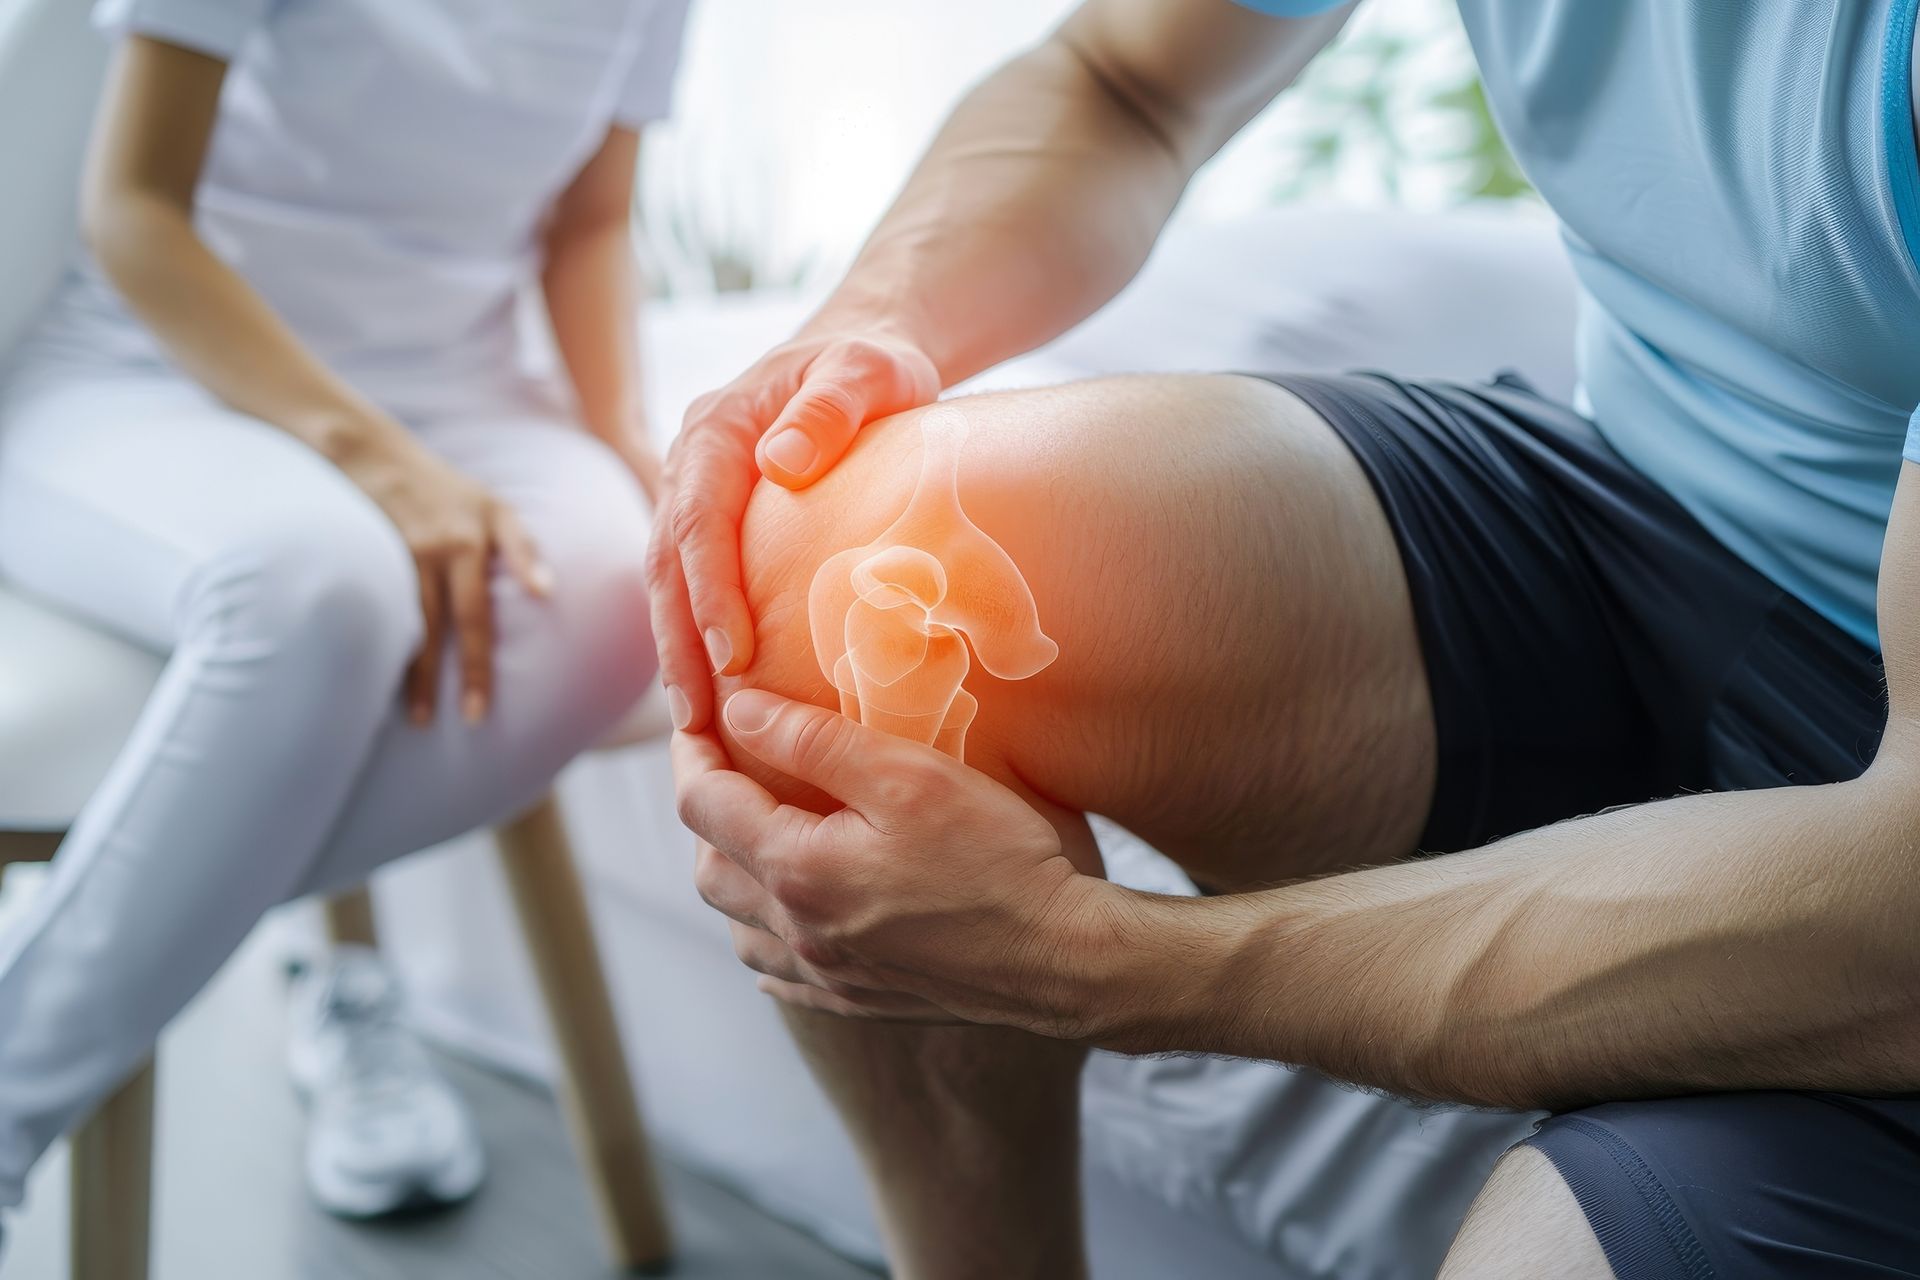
(812,432)
(841,757)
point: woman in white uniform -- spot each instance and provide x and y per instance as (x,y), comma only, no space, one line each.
(279,425)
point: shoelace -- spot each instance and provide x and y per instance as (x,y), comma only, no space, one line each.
(381,1068)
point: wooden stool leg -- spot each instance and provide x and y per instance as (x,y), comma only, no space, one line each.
(349,916)
(111,1168)
(596,1087)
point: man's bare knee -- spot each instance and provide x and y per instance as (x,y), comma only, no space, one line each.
(1213,564)
(1524,1224)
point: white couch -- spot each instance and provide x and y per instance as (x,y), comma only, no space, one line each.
(1194,1167)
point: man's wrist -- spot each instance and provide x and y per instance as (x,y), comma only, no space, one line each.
(1170,974)
(853,312)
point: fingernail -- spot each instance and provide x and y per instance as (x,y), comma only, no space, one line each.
(678,708)
(719,648)
(542,578)
(751,710)
(473,705)
(792,450)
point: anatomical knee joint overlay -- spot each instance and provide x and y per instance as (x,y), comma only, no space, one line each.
(888,618)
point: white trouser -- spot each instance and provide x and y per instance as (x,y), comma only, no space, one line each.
(273,759)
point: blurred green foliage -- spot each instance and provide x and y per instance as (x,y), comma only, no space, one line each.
(1396,111)
(1499,176)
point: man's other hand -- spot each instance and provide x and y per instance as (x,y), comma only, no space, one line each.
(935,893)
(790,417)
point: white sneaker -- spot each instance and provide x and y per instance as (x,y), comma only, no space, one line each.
(386,1133)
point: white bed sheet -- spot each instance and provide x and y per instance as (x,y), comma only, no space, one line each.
(1194,1166)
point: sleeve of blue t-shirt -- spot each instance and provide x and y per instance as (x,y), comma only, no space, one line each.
(213,27)
(1904,52)
(648,91)
(1289,8)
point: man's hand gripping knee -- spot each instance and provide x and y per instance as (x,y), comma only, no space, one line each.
(936,892)
(790,417)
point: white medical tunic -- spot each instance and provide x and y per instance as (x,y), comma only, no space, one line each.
(380,169)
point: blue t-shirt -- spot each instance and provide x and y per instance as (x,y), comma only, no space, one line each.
(1737,184)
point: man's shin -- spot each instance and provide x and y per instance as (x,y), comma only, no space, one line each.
(970,1137)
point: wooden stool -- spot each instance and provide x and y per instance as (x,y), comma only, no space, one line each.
(595,1086)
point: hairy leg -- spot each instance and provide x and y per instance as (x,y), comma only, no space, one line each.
(1524,1224)
(1238,681)
(970,1138)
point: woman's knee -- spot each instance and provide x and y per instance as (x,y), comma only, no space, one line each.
(601,620)
(587,648)
(332,588)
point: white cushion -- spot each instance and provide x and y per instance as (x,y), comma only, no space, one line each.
(69,695)
(1320,290)
(51,64)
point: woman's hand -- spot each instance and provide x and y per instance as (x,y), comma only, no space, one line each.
(789,417)
(454,529)
(935,893)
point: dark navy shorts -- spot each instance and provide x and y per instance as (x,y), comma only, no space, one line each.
(1589,644)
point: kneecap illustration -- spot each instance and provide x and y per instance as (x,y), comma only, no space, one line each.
(897,623)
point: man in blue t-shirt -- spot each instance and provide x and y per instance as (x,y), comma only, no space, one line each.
(1692,591)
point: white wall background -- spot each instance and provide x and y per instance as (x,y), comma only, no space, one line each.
(796,123)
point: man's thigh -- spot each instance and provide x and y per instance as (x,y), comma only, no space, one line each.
(1761,1186)
(1238,680)
(1524,1225)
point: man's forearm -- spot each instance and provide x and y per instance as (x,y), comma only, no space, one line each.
(1045,191)
(1736,941)
(1036,203)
